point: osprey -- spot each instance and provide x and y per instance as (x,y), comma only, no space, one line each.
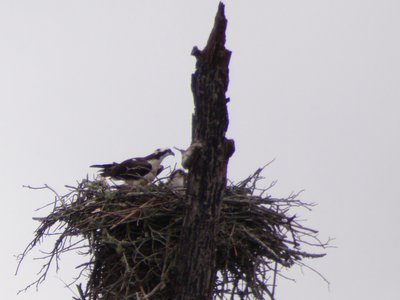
(137,171)
(191,154)
(177,180)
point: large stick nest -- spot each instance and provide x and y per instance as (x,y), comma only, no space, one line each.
(129,239)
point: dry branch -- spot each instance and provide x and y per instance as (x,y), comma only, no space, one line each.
(130,239)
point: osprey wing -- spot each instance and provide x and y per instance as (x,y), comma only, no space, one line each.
(135,168)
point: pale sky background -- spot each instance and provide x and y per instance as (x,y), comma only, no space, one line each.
(314,84)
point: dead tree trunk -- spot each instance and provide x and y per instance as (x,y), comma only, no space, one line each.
(207,161)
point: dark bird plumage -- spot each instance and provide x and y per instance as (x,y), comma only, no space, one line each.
(136,171)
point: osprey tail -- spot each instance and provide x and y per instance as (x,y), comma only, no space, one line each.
(106,169)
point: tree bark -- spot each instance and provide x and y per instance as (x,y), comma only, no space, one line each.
(195,270)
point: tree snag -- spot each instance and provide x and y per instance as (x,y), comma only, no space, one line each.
(157,242)
(209,156)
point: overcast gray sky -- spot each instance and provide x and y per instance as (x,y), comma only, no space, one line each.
(314,84)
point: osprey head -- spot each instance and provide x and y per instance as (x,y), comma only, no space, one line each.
(161,153)
(178,172)
(177,180)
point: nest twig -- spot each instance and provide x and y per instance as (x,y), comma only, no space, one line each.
(130,238)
